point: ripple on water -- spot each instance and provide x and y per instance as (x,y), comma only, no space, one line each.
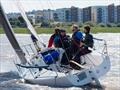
(9,80)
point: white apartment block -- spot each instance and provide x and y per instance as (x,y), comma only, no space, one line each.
(61,14)
(99,14)
(48,14)
(32,17)
(80,15)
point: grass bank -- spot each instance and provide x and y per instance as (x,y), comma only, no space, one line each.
(68,29)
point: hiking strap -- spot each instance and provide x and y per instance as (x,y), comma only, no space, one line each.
(79,65)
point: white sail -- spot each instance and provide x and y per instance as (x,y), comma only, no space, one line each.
(29,26)
(10,34)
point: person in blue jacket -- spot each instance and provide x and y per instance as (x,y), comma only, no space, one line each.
(77,38)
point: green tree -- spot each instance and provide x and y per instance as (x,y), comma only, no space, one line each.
(90,23)
(20,18)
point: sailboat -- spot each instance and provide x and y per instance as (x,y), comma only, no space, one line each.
(38,70)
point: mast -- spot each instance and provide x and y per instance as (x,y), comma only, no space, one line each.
(10,35)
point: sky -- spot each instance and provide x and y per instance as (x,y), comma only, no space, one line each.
(29,5)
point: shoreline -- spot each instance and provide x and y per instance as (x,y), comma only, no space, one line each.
(94,30)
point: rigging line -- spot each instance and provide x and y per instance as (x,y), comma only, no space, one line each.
(21,23)
(52,4)
(91,60)
(70,3)
(29,26)
(53,8)
(63,47)
(48,4)
(14,17)
(41,5)
(23,11)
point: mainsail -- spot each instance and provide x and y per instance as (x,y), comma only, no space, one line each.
(29,26)
(10,34)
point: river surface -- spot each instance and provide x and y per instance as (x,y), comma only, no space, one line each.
(9,79)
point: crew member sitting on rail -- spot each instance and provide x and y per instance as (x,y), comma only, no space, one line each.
(77,37)
(63,41)
(88,40)
(51,40)
(35,42)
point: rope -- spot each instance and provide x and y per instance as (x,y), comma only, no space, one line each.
(51,4)
(41,5)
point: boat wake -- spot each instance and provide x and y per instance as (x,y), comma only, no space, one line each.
(12,81)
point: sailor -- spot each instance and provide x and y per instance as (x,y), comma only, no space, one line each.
(51,40)
(63,41)
(88,40)
(35,41)
(77,37)
(77,44)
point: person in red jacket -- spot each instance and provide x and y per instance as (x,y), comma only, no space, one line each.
(51,40)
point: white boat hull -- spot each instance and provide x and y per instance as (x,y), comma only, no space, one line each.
(75,77)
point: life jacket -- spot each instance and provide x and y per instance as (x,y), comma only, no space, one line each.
(57,42)
(77,38)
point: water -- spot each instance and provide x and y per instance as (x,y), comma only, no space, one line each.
(9,80)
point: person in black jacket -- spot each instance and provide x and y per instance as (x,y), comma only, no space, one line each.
(63,41)
(88,40)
